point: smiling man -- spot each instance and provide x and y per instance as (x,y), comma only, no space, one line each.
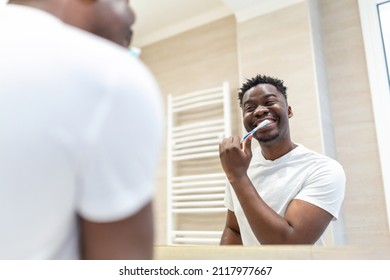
(283,193)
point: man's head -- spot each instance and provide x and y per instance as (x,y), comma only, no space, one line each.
(110,19)
(264,98)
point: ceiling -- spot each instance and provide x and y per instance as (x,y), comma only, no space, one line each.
(156,19)
(160,19)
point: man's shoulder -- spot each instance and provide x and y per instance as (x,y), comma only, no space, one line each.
(95,55)
(304,151)
(318,158)
(86,44)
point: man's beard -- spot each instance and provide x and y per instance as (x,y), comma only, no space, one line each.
(270,138)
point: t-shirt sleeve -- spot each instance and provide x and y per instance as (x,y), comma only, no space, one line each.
(122,150)
(228,197)
(325,187)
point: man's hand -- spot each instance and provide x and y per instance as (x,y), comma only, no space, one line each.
(235,157)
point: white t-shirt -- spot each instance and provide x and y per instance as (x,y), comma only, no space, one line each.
(80,134)
(300,174)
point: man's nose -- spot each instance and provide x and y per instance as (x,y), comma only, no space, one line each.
(260,110)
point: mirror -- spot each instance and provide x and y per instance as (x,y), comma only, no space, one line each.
(317,48)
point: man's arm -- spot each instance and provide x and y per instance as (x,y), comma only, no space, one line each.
(130,238)
(231,234)
(303,222)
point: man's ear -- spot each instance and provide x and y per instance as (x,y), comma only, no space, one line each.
(290,112)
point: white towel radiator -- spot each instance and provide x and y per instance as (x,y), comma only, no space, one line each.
(197,121)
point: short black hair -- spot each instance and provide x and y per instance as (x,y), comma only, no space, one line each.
(261,79)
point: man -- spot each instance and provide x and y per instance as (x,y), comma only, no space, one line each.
(76,168)
(286,194)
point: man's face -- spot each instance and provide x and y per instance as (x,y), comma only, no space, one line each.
(114,19)
(263,102)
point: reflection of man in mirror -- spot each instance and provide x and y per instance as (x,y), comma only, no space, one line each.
(75,182)
(282,192)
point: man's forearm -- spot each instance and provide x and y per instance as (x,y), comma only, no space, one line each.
(230,237)
(267,225)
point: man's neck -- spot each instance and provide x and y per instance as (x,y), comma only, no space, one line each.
(272,151)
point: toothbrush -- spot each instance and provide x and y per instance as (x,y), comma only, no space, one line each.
(261,125)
